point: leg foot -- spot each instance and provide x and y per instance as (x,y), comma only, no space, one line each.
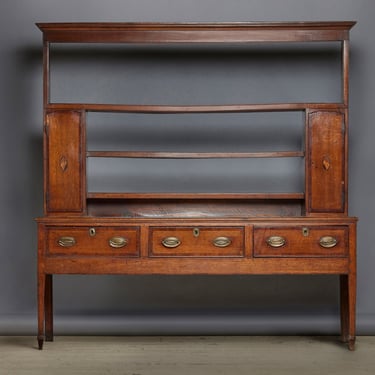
(40,343)
(351,344)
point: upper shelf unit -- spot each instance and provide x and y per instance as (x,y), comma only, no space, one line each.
(195,33)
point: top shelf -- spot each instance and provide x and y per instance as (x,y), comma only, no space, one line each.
(227,32)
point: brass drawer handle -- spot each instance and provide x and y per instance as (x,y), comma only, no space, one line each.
(117,242)
(328,242)
(221,242)
(171,242)
(66,241)
(276,241)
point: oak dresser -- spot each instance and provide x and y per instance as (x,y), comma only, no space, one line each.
(308,232)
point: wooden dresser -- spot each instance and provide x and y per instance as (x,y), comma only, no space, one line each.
(190,233)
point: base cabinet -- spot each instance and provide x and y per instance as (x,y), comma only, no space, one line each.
(112,246)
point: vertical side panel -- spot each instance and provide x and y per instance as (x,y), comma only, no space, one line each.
(345,71)
(326,162)
(64,167)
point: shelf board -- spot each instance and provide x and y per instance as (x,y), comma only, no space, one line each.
(226,108)
(279,196)
(193,155)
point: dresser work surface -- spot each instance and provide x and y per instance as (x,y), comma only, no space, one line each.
(84,231)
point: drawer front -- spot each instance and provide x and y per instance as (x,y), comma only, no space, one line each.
(301,242)
(108,241)
(196,241)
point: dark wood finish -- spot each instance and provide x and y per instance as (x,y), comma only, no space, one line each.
(134,233)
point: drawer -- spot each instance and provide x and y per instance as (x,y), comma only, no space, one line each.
(196,241)
(104,241)
(301,241)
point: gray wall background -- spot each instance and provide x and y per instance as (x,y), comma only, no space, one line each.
(169,305)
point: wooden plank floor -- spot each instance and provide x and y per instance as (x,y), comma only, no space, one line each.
(256,355)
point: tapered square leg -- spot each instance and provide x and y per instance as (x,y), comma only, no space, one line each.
(49,308)
(41,308)
(347,306)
